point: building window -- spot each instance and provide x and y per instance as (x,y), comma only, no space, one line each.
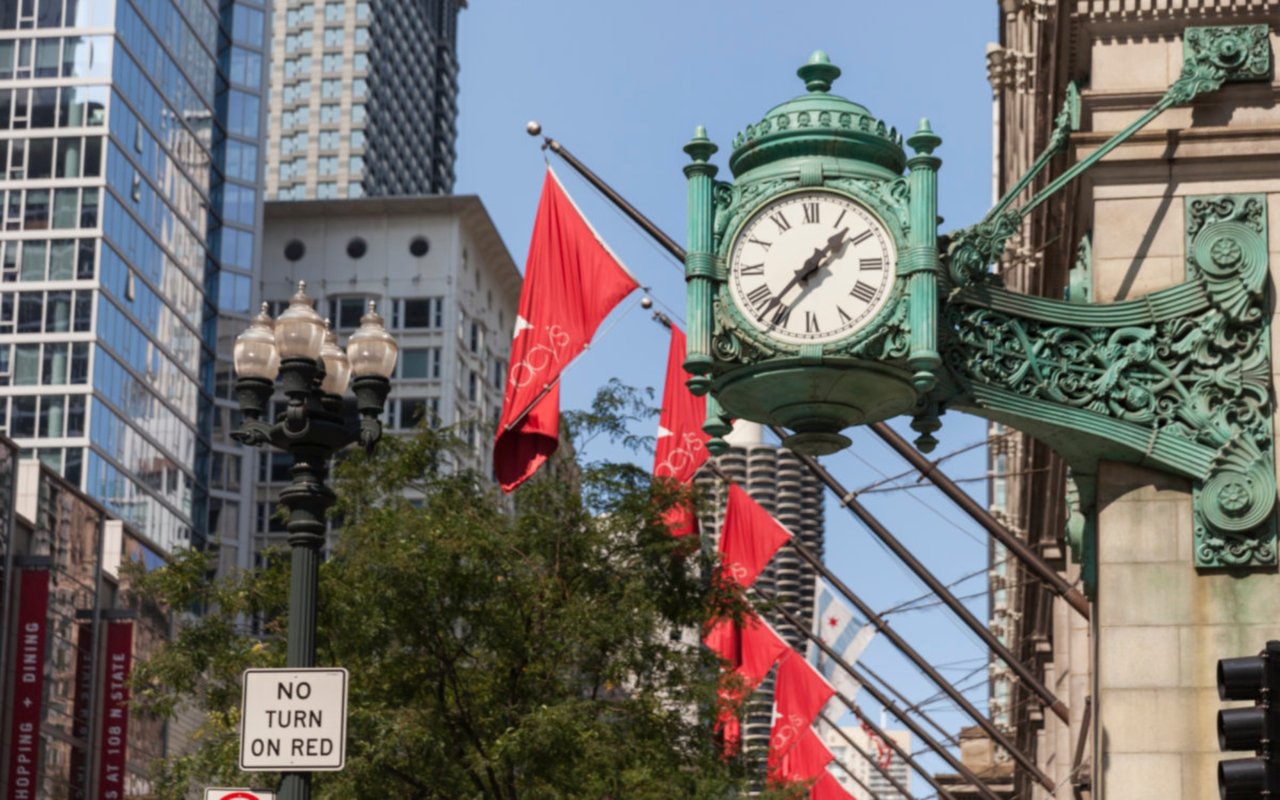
(420,363)
(418,313)
(345,312)
(412,411)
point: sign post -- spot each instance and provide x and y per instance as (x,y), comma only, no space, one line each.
(293,720)
(214,793)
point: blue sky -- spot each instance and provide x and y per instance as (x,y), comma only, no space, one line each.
(622,85)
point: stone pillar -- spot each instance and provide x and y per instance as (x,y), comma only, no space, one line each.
(1161,628)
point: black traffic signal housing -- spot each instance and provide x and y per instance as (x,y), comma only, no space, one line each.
(1255,678)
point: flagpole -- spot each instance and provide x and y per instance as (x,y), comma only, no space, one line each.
(982,516)
(910,652)
(1026,555)
(882,533)
(883,699)
(873,762)
(618,200)
(923,664)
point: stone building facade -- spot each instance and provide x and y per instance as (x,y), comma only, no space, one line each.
(1139,677)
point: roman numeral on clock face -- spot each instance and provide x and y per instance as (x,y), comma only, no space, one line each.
(765,245)
(871,263)
(810,213)
(864,292)
(752,269)
(760,296)
(781,222)
(811,322)
(862,237)
(782,315)
(845,319)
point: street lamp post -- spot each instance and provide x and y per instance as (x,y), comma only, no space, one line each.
(313,372)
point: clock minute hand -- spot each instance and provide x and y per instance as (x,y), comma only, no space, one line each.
(811,265)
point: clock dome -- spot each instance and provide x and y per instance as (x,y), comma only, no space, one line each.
(842,135)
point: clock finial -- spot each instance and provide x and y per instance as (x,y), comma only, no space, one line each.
(819,73)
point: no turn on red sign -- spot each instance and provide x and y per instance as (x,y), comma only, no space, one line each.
(293,720)
(239,794)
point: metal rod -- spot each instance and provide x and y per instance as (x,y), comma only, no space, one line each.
(888,704)
(867,757)
(882,533)
(650,228)
(980,515)
(910,652)
(922,664)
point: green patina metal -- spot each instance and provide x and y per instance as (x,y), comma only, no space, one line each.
(1178,380)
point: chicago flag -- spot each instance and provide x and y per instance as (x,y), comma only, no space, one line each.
(571,283)
(834,624)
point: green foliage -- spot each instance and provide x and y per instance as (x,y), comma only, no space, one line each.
(494,653)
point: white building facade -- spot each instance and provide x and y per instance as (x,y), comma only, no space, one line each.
(439,274)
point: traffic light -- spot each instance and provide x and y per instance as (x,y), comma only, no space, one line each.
(1255,678)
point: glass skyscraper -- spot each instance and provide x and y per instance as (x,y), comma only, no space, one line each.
(130,160)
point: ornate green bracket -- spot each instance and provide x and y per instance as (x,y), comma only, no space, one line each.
(1178,380)
(1212,56)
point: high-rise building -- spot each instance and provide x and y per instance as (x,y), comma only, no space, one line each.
(777,480)
(854,772)
(438,272)
(364,98)
(129,170)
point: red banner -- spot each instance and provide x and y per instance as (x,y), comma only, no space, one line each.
(114,738)
(28,684)
(81,714)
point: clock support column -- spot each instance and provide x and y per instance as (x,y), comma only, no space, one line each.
(920,264)
(700,261)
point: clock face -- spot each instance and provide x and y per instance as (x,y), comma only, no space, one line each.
(811,267)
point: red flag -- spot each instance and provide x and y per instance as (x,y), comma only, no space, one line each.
(751,650)
(804,761)
(722,639)
(749,539)
(682,445)
(571,283)
(799,693)
(828,788)
(761,648)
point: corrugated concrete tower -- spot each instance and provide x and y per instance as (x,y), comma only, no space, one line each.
(778,481)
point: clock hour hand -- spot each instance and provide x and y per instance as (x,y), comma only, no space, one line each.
(811,265)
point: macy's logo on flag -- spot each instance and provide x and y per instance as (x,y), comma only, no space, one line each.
(679,456)
(539,356)
(786,730)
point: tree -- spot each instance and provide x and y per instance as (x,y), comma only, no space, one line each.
(493,653)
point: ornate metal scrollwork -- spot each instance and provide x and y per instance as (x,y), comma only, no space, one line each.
(1180,377)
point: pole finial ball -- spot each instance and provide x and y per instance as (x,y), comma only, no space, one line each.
(646,302)
(534,127)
